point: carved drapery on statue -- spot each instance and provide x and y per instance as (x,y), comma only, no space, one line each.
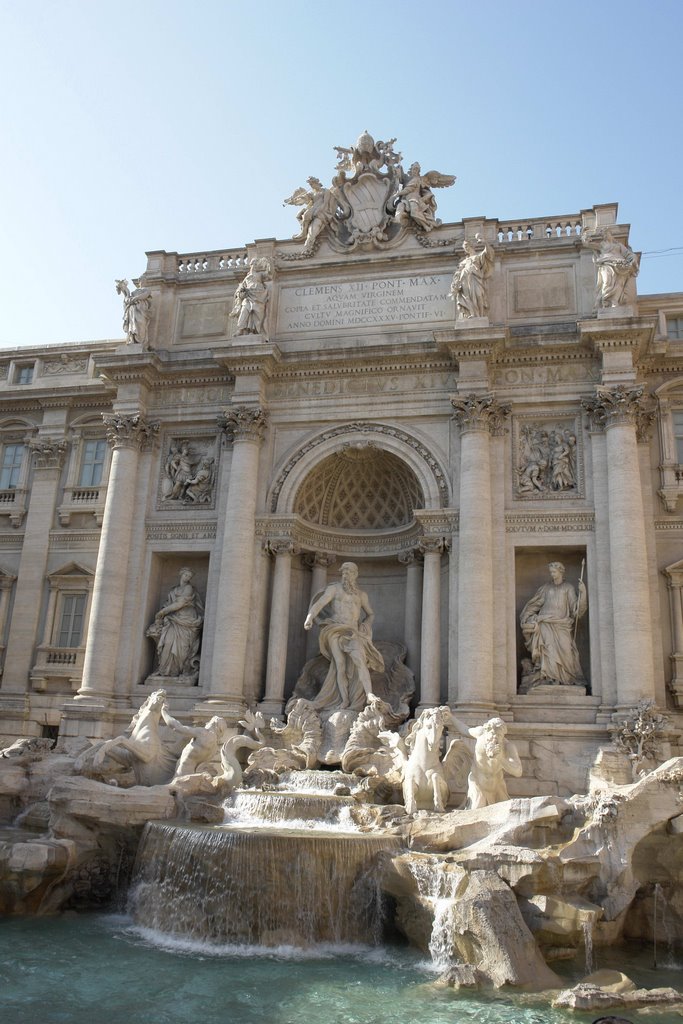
(469,287)
(177,632)
(548,621)
(371,208)
(615,265)
(137,311)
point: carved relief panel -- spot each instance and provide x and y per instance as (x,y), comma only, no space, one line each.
(547,458)
(188,471)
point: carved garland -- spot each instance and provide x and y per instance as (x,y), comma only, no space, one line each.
(375,428)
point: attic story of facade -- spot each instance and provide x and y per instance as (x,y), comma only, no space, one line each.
(455,408)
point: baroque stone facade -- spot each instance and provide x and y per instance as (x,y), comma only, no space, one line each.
(451,406)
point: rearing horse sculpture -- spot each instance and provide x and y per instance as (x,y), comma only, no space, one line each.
(140,748)
(417,758)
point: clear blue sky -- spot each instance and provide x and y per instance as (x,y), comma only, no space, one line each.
(160,124)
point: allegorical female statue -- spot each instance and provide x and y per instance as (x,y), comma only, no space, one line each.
(548,623)
(177,630)
(469,287)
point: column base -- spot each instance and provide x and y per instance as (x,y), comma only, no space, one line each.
(270,707)
(227,707)
(475,712)
(91,717)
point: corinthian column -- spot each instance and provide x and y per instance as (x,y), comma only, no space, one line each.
(48,458)
(622,412)
(319,562)
(278,632)
(478,417)
(430,663)
(128,435)
(223,679)
(411,624)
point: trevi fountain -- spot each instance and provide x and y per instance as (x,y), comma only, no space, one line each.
(347,686)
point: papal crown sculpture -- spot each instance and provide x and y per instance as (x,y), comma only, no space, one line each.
(371,209)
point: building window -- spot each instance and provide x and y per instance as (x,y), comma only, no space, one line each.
(71,620)
(674,328)
(12,460)
(678,436)
(92,463)
(25,374)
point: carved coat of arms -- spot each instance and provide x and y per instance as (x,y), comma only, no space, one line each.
(371,201)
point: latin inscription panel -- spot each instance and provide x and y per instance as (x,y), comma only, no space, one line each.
(380,302)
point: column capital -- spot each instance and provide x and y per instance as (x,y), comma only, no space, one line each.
(620,404)
(318,558)
(48,454)
(433,545)
(479,412)
(281,546)
(244,423)
(412,557)
(129,431)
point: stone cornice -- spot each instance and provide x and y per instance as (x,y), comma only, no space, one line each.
(309,537)
(242,359)
(561,521)
(618,334)
(472,342)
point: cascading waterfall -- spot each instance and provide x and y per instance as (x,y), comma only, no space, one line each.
(438,884)
(587,927)
(224,884)
(307,809)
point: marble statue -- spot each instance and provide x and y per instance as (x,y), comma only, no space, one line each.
(137,311)
(346,642)
(493,756)
(370,203)
(319,210)
(418,759)
(251,299)
(469,287)
(415,202)
(615,264)
(203,746)
(548,622)
(177,630)
(141,748)
(295,744)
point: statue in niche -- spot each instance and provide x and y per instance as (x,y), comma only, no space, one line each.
(547,460)
(615,264)
(469,287)
(320,207)
(415,202)
(251,299)
(177,631)
(137,311)
(548,622)
(346,642)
